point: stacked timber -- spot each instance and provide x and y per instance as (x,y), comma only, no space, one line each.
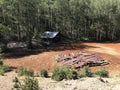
(80,59)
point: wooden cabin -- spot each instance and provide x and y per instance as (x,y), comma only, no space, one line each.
(51,36)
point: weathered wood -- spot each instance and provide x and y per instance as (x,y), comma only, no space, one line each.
(80,59)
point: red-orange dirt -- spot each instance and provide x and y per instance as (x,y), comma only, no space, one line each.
(44,58)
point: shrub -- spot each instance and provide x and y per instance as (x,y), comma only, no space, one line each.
(44,73)
(70,73)
(25,72)
(1,62)
(86,72)
(4,69)
(58,74)
(16,85)
(102,73)
(30,84)
(15,80)
(65,73)
(27,84)
(81,74)
(74,74)
(37,74)
(2,72)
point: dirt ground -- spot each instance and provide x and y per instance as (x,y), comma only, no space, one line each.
(79,84)
(44,58)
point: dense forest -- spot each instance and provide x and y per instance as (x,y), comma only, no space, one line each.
(25,20)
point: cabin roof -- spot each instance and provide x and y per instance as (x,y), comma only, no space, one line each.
(50,34)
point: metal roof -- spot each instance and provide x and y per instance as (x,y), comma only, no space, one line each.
(49,34)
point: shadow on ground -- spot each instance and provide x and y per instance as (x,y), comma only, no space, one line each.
(21,52)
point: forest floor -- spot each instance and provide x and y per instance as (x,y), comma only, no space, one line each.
(44,58)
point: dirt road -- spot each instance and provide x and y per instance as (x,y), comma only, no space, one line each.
(45,58)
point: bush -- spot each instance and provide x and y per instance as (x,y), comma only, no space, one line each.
(25,72)
(37,74)
(44,73)
(81,74)
(27,84)
(58,74)
(86,72)
(102,73)
(65,73)
(1,62)
(15,80)
(4,69)
(30,84)
(2,72)
(16,85)
(70,73)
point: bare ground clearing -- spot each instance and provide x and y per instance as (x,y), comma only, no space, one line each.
(44,58)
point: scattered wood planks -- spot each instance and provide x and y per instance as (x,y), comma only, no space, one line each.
(80,59)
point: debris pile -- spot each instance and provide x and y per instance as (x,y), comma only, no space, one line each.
(80,59)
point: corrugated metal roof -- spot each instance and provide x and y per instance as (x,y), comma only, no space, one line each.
(49,34)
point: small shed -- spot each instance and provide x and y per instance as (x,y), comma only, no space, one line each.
(51,36)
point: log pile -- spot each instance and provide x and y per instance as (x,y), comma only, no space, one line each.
(80,59)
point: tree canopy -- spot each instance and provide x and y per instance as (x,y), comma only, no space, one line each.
(24,20)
